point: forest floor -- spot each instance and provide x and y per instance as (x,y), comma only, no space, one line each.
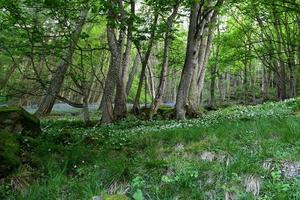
(241,152)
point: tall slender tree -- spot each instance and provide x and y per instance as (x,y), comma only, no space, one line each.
(57,79)
(200,16)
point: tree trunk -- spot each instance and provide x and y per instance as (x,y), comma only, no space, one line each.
(132,73)
(85,109)
(57,80)
(280,80)
(228,86)
(200,18)
(151,83)
(197,84)
(222,88)
(293,82)
(281,84)
(245,82)
(190,63)
(266,78)
(136,104)
(203,66)
(120,109)
(212,100)
(115,46)
(214,68)
(165,65)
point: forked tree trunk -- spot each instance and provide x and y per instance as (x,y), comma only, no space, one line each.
(112,76)
(57,80)
(136,104)
(199,19)
(197,84)
(120,109)
(165,65)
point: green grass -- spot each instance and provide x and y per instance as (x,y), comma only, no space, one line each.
(162,159)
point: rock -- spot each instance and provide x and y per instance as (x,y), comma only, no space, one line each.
(9,153)
(253,184)
(268,165)
(288,169)
(163,112)
(18,131)
(166,112)
(208,156)
(179,147)
(211,195)
(211,156)
(17,120)
(230,196)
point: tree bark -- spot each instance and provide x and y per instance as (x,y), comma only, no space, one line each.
(200,18)
(214,70)
(120,109)
(212,99)
(203,66)
(57,80)
(112,76)
(136,63)
(165,65)
(85,109)
(266,79)
(197,84)
(151,83)
(136,104)
(190,63)
(222,88)
(194,91)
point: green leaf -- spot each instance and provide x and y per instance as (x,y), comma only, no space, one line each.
(138,195)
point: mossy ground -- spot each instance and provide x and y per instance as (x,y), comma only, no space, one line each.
(9,152)
(166,159)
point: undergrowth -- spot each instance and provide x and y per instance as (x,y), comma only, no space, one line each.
(164,159)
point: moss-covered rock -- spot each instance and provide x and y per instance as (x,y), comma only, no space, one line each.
(166,112)
(163,112)
(9,152)
(17,120)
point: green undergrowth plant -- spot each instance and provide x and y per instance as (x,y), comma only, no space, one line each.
(194,159)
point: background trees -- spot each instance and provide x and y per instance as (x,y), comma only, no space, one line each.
(117,53)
